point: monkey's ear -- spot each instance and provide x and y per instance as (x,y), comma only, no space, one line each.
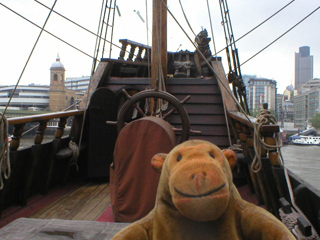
(158,160)
(231,157)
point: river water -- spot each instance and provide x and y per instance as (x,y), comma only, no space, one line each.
(304,161)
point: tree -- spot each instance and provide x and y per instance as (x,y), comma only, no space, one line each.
(315,121)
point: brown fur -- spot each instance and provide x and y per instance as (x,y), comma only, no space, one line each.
(197,199)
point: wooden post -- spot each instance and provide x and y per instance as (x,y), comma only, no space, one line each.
(159,42)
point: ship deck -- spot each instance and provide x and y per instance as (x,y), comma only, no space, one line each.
(75,201)
(77,211)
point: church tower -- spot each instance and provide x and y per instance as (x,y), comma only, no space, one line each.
(57,86)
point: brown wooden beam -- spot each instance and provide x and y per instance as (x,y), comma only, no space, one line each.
(159,41)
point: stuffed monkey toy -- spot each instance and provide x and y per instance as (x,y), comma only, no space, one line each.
(197,200)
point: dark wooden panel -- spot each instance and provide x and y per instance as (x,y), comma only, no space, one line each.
(102,137)
(193,89)
(204,108)
(222,142)
(201,119)
(215,130)
(201,98)
(192,81)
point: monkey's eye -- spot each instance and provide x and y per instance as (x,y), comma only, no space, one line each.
(179,158)
(211,155)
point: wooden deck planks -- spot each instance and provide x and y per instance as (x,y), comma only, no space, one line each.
(86,203)
(99,209)
(100,201)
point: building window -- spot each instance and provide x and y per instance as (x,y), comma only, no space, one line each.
(55,77)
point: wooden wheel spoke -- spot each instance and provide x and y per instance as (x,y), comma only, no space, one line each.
(152,101)
(177,129)
(139,109)
(169,113)
(154,105)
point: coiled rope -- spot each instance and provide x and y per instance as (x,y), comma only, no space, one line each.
(5,168)
(265,117)
(291,221)
(75,154)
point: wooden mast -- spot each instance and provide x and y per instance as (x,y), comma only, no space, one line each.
(159,42)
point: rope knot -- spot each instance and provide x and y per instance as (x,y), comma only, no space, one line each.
(264,118)
(5,166)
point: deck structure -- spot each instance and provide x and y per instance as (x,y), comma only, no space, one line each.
(75,201)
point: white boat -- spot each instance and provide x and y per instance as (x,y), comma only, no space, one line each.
(306,140)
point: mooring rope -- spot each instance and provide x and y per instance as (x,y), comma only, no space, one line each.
(5,168)
(265,117)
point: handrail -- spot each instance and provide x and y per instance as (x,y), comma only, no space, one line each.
(45,116)
(242,118)
(133,45)
(20,122)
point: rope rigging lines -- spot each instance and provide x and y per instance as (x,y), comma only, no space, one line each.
(281,35)
(34,46)
(260,24)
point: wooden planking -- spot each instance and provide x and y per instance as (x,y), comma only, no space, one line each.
(99,208)
(200,119)
(52,209)
(35,204)
(222,142)
(204,108)
(201,98)
(85,201)
(79,204)
(102,201)
(192,89)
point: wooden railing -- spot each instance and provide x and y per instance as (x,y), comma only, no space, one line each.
(131,46)
(42,120)
(37,168)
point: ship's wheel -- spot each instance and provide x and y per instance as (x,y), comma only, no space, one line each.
(154,103)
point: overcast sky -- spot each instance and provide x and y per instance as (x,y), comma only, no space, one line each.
(276,62)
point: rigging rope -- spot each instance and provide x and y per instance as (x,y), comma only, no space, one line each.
(5,167)
(281,35)
(213,42)
(185,16)
(111,38)
(104,39)
(257,26)
(208,64)
(147,51)
(25,66)
(46,30)
(98,39)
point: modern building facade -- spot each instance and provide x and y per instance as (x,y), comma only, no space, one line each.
(26,97)
(287,104)
(79,84)
(307,104)
(303,67)
(262,90)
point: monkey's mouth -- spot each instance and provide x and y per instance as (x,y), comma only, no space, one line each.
(201,195)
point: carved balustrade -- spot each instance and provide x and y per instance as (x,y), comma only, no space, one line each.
(130,47)
(42,120)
